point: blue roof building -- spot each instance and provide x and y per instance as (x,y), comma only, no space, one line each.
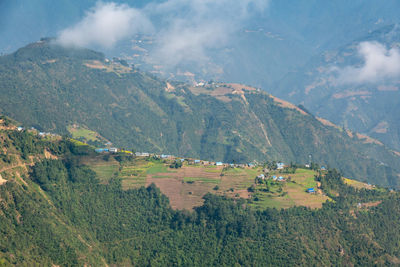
(280,165)
(310,190)
(101,150)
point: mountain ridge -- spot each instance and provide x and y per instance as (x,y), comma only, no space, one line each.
(366,107)
(215,121)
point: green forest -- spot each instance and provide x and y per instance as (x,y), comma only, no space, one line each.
(58,213)
(53,88)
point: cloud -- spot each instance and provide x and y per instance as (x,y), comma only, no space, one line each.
(379,63)
(191,28)
(183,31)
(105,25)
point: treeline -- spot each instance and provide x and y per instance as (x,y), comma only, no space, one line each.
(76,220)
(42,87)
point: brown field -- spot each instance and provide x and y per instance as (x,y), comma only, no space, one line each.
(2,181)
(302,198)
(185,194)
(185,187)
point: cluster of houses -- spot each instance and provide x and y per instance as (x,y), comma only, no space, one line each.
(107,150)
(273,177)
(40,134)
(191,161)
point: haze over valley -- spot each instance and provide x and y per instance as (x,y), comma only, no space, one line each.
(199,133)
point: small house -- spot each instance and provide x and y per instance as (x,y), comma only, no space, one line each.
(206,162)
(280,178)
(323,168)
(274,178)
(196,161)
(280,165)
(99,150)
(311,190)
(218,163)
(261,176)
(142,154)
(113,149)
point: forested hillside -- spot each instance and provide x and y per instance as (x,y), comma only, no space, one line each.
(54,211)
(52,88)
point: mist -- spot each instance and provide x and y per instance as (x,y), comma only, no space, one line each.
(105,25)
(379,63)
(200,26)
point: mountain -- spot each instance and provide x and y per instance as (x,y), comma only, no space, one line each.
(369,107)
(260,50)
(56,211)
(52,89)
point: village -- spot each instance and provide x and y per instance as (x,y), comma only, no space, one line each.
(186,180)
(268,171)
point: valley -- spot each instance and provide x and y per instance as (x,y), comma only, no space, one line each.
(214,121)
(73,206)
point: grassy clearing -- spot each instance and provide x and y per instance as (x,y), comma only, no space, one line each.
(161,176)
(105,172)
(86,134)
(159,168)
(357,184)
(201,179)
(130,183)
(268,201)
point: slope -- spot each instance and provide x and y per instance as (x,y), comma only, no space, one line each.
(369,107)
(58,213)
(52,88)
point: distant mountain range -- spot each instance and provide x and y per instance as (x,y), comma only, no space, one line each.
(370,107)
(52,88)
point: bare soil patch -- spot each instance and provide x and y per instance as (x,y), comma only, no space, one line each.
(286,104)
(186,194)
(2,181)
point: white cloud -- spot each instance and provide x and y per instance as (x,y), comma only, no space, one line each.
(379,63)
(190,28)
(183,30)
(105,25)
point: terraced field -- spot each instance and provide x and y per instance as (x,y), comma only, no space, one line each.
(186,186)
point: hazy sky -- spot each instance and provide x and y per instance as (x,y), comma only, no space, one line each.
(182,30)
